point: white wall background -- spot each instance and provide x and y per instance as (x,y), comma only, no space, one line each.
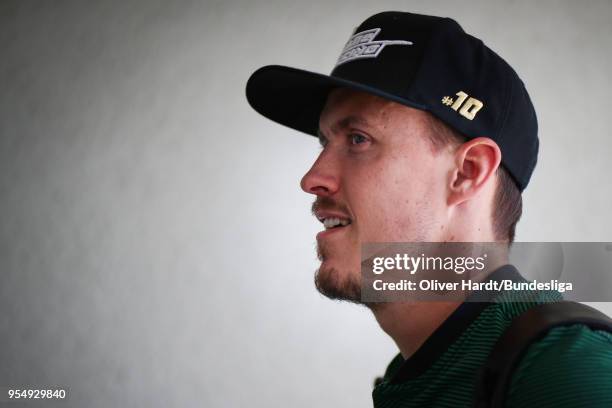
(155,248)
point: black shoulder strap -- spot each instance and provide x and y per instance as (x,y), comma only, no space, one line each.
(495,375)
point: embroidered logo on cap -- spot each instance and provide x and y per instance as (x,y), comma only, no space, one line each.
(469,109)
(362,45)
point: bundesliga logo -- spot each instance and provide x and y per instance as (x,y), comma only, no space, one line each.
(362,45)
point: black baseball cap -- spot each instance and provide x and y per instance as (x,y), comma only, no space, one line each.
(421,61)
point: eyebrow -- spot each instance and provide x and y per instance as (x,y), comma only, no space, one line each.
(343,124)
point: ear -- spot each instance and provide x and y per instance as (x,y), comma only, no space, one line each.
(475,164)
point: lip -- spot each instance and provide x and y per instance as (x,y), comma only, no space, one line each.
(332,231)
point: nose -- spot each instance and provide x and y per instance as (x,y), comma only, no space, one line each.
(322,179)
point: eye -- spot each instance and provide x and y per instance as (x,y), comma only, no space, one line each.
(357,138)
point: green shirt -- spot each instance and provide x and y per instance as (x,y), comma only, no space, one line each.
(570,367)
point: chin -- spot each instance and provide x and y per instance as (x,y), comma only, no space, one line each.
(338,284)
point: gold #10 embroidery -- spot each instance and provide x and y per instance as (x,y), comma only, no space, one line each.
(469,109)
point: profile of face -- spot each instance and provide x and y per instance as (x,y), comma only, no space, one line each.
(378,178)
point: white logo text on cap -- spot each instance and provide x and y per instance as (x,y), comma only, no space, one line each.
(362,45)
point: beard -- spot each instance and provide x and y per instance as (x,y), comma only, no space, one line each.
(337,284)
(329,283)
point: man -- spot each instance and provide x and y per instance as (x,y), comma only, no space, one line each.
(429,136)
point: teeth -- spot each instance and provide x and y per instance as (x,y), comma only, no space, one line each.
(330,222)
(333,222)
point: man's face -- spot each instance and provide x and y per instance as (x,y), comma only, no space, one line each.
(380,176)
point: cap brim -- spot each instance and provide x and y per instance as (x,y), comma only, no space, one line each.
(295,98)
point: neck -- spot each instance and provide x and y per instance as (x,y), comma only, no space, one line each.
(410,324)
